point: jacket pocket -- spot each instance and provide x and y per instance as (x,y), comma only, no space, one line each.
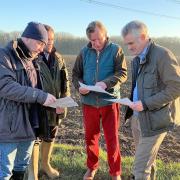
(12,118)
(150,79)
(159,119)
(150,84)
(7,117)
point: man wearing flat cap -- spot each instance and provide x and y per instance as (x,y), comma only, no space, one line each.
(19,100)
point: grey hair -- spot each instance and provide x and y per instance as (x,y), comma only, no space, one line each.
(134,27)
(91,28)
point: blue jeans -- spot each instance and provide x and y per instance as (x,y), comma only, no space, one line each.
(14,156)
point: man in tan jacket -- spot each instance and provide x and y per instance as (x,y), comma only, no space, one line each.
(155,95)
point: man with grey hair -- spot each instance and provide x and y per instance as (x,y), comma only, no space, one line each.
(100,63)
(155,95)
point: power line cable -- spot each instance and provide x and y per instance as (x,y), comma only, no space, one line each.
(178,1)
(129,9)
(174,1)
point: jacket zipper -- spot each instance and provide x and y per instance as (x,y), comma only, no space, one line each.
(97,71)
(97,65)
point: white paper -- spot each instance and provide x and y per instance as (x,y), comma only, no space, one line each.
(94,88)
(124,101)
(63,103)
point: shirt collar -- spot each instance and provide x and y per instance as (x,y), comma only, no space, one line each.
(143,54)
(46,55)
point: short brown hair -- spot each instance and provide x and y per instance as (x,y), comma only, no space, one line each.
(48,28)
(91,28)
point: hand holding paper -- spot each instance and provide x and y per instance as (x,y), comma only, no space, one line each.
(101,84)
(59,110)
(50,99)
(83,90)
(137,106)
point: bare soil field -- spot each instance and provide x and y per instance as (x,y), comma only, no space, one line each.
(71,129)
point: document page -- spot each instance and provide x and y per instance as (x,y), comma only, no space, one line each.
(94,88)
(64,102)
(124,101)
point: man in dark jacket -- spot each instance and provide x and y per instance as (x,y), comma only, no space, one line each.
(155,95)
(53,79)
(103,64)
(18,95)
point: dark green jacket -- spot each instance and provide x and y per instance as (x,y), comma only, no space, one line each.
(54,81)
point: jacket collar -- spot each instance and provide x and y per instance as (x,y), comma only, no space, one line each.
(20,50)
(145,54)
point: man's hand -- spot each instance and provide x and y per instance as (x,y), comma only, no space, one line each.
(83,90)
(137,106)
(101,84)
(49,100)
(59,110)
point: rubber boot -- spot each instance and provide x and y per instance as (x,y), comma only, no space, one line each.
(33,167)
(17,175)
(46,150)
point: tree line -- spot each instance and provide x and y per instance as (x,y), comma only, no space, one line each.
(66,43)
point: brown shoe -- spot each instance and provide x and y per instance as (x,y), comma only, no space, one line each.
(89,175)
(116,177)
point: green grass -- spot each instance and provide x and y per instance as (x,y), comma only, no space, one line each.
(70,160)
(170,171)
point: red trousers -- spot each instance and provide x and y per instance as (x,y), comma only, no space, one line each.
(109,115)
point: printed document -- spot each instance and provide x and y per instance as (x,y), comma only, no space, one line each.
(124,101)
(63,102)
(94,88)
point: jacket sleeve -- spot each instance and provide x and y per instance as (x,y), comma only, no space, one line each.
(169,75)
(65,88)
(120,72)
(77,72)
(12,90)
